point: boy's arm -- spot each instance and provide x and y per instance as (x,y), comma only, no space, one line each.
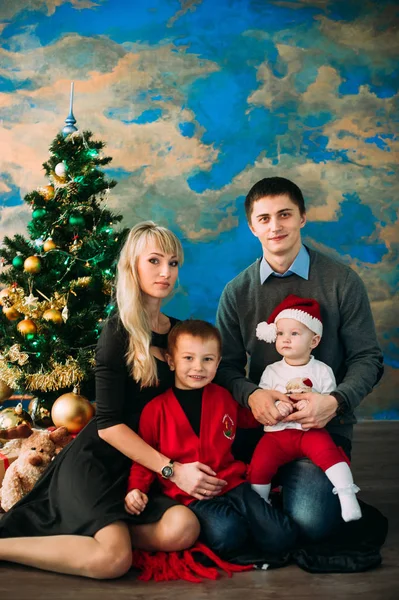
(231,371)
(140,477)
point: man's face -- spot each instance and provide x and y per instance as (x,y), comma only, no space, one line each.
(277,223)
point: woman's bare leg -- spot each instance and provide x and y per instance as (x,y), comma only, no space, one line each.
(178,529)
(107,555)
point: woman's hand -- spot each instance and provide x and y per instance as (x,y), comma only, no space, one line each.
(135,502)
(197,480)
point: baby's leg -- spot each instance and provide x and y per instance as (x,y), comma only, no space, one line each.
(270,453)
(320,448)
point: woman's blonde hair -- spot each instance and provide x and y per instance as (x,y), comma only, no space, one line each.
(129,296)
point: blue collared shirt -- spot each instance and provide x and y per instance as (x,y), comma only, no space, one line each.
(300,267)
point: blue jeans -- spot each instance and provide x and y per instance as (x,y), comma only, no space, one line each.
(308,497)
(307,492)
(241,519)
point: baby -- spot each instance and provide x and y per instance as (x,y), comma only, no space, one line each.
(296,328)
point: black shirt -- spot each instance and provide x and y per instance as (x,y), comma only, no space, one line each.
(191,403)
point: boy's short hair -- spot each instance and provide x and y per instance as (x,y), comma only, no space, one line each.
(274,186)
(196,328)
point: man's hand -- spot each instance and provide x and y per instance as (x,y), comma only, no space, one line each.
(135,502)
(284,408)
(263,406)
(318,411)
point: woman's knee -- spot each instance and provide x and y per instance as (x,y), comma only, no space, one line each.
(112,557)
(108,565)
(178,529)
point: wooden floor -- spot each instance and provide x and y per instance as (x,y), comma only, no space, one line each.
(376,470)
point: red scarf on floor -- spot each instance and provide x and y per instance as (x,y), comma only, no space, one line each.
(171,566)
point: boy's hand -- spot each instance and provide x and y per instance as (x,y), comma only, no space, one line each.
(135,502)
(284,408)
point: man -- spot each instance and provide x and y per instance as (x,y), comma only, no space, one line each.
(275,211)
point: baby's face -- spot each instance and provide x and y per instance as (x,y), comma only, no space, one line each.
(295,341)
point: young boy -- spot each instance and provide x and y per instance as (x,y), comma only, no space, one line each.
(295,325)
(196,420)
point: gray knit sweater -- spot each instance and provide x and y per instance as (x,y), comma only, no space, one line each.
(349,343)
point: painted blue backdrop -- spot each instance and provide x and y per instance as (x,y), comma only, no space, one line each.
(197,100)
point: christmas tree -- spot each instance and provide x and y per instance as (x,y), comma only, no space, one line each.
(57,289)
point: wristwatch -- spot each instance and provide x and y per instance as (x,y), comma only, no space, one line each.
(167,470)
(342,408)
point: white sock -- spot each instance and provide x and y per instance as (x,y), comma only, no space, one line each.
(340,476)
(263,489)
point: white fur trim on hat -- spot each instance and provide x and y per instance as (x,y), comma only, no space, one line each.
(303,317)
(266,331)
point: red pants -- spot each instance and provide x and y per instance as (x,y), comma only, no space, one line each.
(277,448)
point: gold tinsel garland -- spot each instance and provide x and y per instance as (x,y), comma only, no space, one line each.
(17,298)
(9,374)
(59,376)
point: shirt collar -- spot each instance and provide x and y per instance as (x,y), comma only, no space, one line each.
(300,267)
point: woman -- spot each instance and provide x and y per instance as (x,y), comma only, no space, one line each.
(75,516)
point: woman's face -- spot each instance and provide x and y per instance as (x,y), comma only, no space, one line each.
(157,271)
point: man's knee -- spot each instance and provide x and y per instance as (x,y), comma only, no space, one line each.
(308,499)
(226,536)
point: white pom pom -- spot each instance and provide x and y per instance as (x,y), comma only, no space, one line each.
(266,332)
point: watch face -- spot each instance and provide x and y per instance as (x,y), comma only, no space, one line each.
(167,471)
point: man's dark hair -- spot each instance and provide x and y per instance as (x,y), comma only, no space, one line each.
(196,328)
(274,186)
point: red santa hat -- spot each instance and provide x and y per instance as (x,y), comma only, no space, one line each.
(304,310)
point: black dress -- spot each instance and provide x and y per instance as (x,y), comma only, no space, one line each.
(84,488)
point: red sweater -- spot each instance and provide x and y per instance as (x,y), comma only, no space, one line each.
(164,426)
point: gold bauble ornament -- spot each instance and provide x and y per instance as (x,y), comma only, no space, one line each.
(32,265)
(72,411)
(4,294)
(15,422)
(53,315)
(11,313)
(47,191)
(5,391)
(49,245)
(27,326)
(40,411)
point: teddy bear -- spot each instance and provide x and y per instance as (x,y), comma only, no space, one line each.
(36,453)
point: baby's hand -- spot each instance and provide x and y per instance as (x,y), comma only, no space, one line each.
(135,502)
(301,405)
(284,408)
